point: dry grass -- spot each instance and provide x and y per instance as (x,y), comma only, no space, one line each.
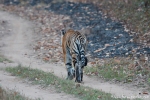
(69,87)
(126,70)
(11,95)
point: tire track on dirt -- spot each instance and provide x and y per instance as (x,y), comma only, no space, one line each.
(18,49)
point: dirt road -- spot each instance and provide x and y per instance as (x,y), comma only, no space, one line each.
(18,48)
(17,44)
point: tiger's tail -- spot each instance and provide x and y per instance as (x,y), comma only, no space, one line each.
(63,32)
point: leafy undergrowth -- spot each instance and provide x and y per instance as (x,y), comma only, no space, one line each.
(11,95)
(46,79)
(123,69)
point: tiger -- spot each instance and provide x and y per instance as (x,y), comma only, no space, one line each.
(73,46)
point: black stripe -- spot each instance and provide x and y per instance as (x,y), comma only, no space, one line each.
(78,48)
(75,51)
(68,64)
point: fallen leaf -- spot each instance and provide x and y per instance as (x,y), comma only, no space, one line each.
(100,49)
(93,63)
(80,93)
(106,45)
(145,92)
(15,93)
(117,61)
(46,59)
(99,97)
(77,85)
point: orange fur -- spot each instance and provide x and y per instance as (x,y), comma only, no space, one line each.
(66,38)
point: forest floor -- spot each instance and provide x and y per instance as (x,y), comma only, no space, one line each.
(30,36)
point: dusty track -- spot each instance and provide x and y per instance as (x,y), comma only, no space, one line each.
(18,48)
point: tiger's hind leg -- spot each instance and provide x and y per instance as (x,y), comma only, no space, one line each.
(70,69)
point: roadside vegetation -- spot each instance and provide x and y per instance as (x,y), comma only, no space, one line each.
(11,95)
(67,86)
(125,70)
(3,59)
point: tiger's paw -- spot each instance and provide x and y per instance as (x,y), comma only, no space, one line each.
(78,81)
(71,73)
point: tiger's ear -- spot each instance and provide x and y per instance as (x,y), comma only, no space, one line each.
(63,32)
